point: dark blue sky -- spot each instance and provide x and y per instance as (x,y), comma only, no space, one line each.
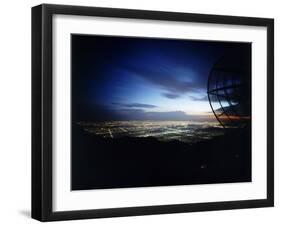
(121,78)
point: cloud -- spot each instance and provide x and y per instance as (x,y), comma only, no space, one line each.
(135,105)
(203,98)
(105,113)
(171,95)
(167,79)
(137,114)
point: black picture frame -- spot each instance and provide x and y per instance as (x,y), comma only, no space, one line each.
(42,111)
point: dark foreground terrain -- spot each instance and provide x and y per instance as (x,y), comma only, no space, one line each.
(138,162)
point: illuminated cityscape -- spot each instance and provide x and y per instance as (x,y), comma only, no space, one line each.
(184,131)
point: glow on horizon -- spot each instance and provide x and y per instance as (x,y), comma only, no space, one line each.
(142,91)
(150,95)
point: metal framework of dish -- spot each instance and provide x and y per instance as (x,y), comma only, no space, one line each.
(229,91)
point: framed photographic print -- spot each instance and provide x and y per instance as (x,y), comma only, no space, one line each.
(143,112)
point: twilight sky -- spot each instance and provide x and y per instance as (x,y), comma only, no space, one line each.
(120,78)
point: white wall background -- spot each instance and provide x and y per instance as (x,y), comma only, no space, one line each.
(15,111)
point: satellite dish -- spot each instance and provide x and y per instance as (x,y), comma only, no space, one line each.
(229,89)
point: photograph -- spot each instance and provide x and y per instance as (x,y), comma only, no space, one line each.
(149,111)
